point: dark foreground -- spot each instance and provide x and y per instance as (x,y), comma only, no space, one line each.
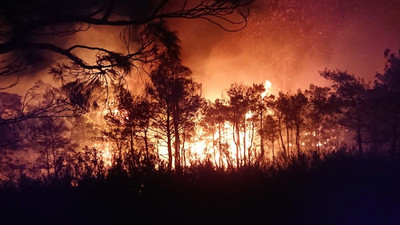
(341,190)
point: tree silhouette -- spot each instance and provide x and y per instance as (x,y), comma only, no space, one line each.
(36,122)
(291,109)
(49,135)
(10,133)
(270,131)
(238,107)
(214,119)
(175,99)
(256,107)
(298,104)
(128,124)
(386,95)
(352,94)
(321,108)
(120,132)
(282,110)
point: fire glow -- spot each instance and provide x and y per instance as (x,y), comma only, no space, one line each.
(204,146)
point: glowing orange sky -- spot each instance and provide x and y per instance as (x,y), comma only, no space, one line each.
(288,45)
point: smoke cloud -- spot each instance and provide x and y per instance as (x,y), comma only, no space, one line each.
(288,42)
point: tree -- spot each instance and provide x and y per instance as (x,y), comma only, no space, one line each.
(238,107)
(297,105)
(281,108)
(119,132)
(209,123)
(10,133)
(351,92)
(175,99)
(50,136)
(214,120)
(321,108)
(291,109)
(386,95)
(270,132)
(128,120)
(28,123)
(257,107)
(143,114)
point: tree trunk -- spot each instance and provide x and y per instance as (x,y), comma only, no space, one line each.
(177,144)
(169,144)
(47,153)
(251,143)
(146,145)
(177,152)
(53,151)
(298,139)
(316,137)
(47,162)
(244,143)
(261,137)
(287,138)
(213,146)
(131,148)
(237,143)
(220,144)
(273,145)
(183,150)
(281,137)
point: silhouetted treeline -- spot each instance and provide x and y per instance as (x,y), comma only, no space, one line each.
(343,188)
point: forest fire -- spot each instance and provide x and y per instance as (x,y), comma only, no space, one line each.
(253,125)
(152,111)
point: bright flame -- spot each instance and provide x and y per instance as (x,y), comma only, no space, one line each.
(249,114)
(267,87)
(107,156)
(106,152)
(199,148)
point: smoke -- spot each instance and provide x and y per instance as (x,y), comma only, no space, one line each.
(288,42)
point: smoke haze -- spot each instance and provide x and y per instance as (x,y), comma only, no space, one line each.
(288,42)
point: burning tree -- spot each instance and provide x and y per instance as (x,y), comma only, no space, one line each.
(322,107)
(213,122)
(128,122)
(175,99)
(238,107)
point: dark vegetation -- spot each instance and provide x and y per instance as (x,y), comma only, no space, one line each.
(342,189)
